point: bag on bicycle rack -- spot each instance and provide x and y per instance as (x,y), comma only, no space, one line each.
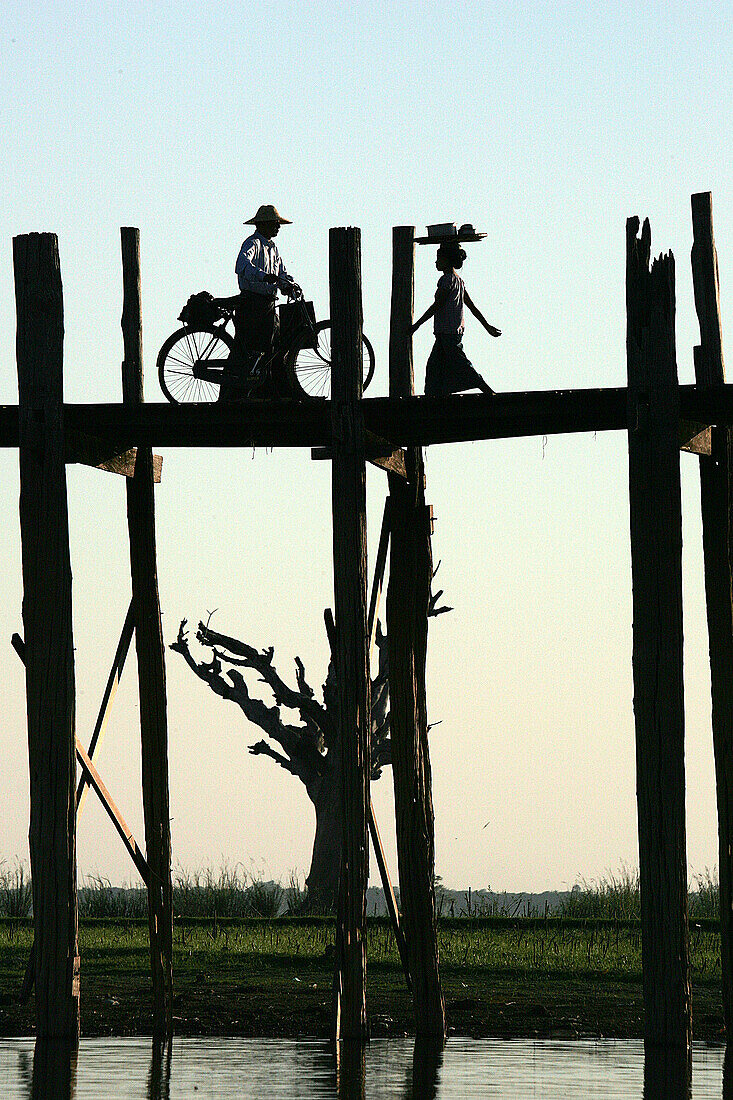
(200,311)
(296,318)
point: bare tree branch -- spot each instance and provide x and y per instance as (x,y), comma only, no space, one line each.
(433,609)
(297,741)
(209,673)
(262,663)
(303,685)
(263,749)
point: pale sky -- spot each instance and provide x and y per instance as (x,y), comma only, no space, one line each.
(546,125)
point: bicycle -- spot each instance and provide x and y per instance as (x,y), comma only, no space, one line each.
(194,360)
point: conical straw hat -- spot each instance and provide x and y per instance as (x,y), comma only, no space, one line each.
(267,214)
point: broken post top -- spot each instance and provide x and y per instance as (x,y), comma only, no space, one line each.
(40,310)
(709,362)
(650,290)
(346,314)
(401,373)
(132,369)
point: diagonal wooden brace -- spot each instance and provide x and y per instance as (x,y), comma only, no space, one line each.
(91,776)
(113,681)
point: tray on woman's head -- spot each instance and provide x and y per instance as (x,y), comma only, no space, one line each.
(447,232)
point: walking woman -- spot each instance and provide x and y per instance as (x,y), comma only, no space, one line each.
(449,370)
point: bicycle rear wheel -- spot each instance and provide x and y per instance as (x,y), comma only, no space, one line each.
(191,364)
(308,364)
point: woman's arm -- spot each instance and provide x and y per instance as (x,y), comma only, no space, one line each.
(492,331)
(421,320)
(440,296)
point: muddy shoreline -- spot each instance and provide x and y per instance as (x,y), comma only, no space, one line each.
(482,1008)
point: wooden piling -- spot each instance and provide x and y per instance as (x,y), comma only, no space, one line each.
(408,599)
(656,564)
(350,593)
(717,517)
(47,622)
(150,657)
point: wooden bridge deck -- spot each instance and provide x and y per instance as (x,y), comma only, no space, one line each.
(405,422)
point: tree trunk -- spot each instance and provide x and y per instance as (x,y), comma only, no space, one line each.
(323,877)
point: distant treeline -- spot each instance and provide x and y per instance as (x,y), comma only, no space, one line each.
(237,893)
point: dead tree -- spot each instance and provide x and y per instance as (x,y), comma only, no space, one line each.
(307,750)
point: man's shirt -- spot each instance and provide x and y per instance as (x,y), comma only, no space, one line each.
(448,317)
(257,257)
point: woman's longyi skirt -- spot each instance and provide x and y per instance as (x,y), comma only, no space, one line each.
(449,370)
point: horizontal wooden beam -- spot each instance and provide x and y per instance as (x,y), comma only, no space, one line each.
(407,422)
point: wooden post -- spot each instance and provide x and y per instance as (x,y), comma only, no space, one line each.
(47,622)
(715,501)
(656,565)
(408,600)
(19,646)
(150,657)
(350,594)
(389,895)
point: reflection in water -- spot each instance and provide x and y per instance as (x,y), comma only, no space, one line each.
(667,1074)
(350,1069)
(25,1072)
(426,1062)
(54,1070)
(159,1078)
(396,1069)
(728,1074)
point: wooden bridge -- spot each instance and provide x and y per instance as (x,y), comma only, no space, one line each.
(659,416)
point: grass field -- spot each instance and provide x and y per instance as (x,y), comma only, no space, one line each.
(501,976)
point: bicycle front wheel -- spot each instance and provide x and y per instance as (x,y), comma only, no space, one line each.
(191,364)
(308,364)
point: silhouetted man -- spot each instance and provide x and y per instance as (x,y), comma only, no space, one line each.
(261,273)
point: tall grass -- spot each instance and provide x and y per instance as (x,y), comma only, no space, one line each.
(16,896)
(98,898)
(704,898)
(233,892)
(230,892)
(615,897)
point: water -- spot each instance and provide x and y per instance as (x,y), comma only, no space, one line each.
(388,1069)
